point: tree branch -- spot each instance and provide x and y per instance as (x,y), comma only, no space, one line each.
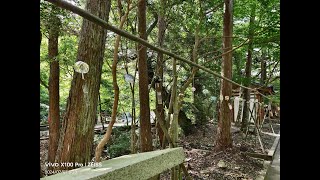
(277,77)
(153,25)
(214,8)
(274,67)
(229,51)
(44,84)
(104,24)
(211,52)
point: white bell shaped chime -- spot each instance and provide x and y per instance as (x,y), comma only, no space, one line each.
(81,67)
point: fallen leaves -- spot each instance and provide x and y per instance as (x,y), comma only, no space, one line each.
(204,163)
(222,164)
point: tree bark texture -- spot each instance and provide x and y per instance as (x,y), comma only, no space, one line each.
(246,92)
(159,71)
(223,140)
(77,132)
(41,173)
(173,130)
(54,113)
(145,125)
(263,68)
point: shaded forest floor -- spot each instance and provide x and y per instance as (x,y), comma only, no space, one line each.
(43,150)
(201,159)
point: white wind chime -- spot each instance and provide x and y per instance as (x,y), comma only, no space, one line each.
(81,67)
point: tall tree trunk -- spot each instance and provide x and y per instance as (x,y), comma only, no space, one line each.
(54,113)
(133,110)
(198,99)
(76,140)
(145,125)
(175,107)
(263,68)
(246,92)
(159,70)
(196,75)
(237,62)
(223,140)
(173,130)
(41,173)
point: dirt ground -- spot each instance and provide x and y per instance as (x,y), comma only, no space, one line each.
(43,150)
(204,163)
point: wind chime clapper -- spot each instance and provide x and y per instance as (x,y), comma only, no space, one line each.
(81,67)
